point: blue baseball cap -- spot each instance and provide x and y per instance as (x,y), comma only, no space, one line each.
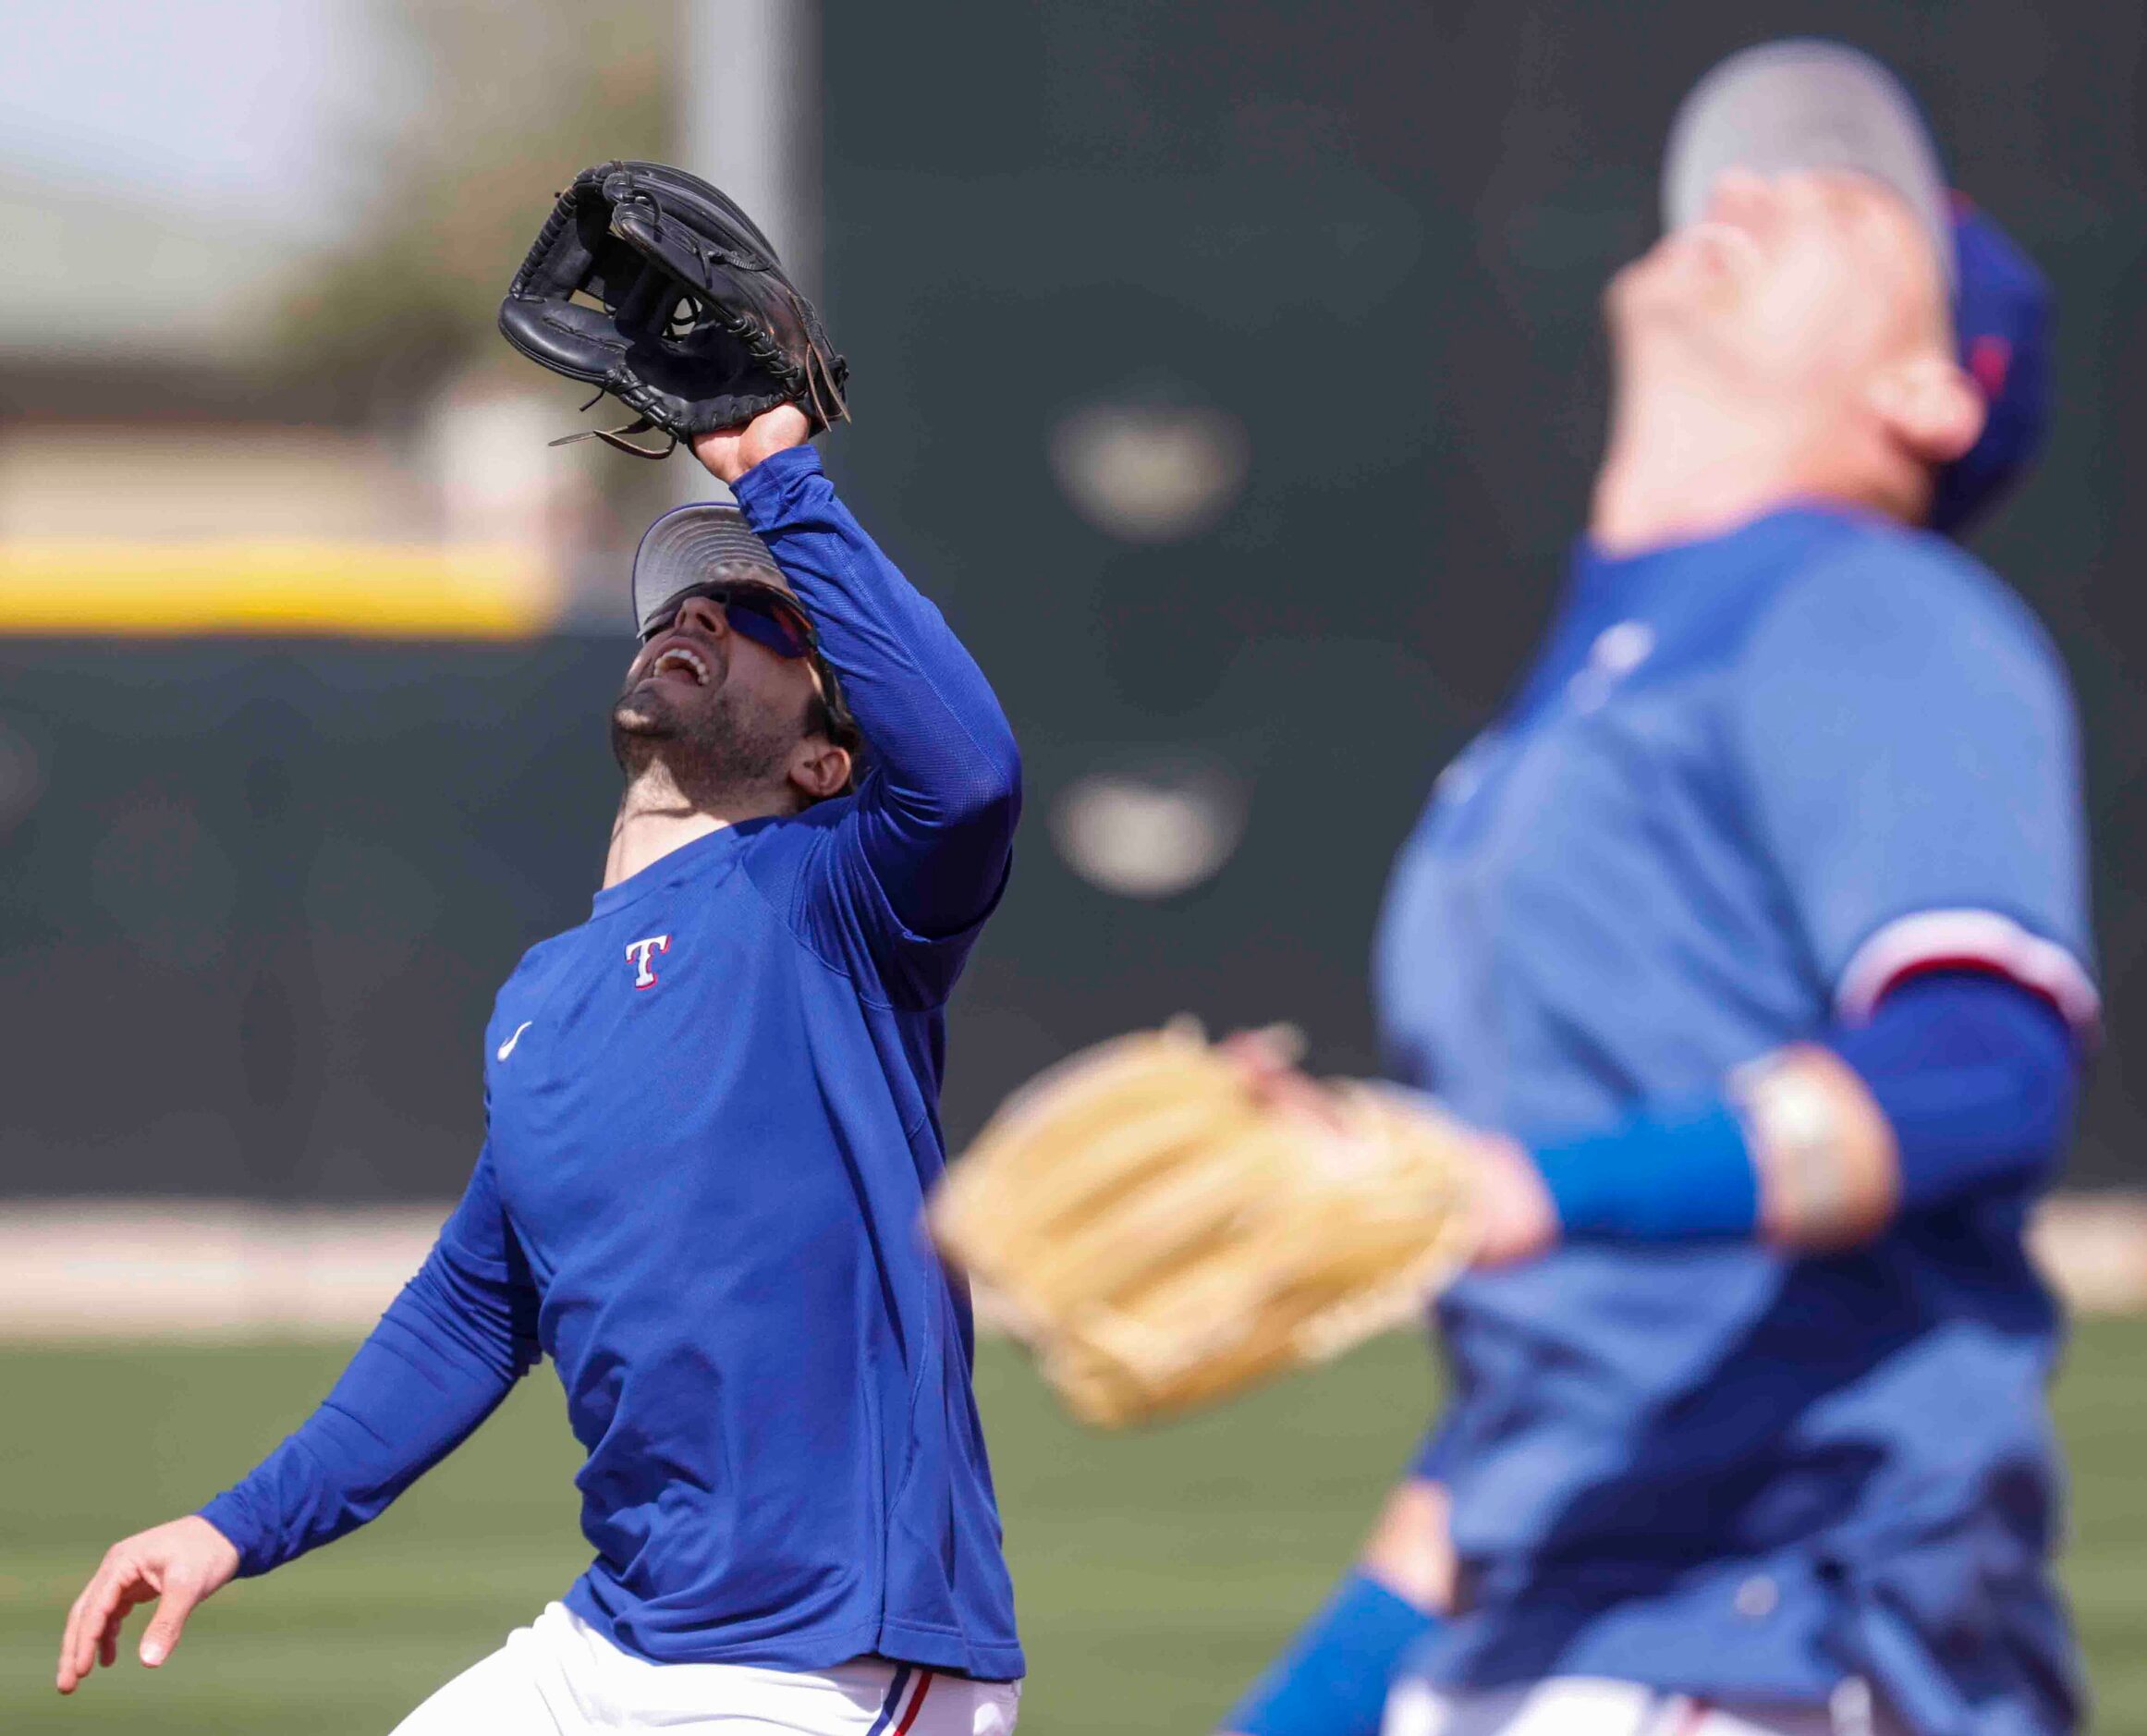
(1809,103)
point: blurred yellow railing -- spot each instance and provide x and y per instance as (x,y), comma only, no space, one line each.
(82,585)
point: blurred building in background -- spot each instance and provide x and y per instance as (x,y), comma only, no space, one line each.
(1228,370)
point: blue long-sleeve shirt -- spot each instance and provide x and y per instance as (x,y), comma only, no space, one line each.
(712,1122)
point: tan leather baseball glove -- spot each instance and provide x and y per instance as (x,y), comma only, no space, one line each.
(1162,1232)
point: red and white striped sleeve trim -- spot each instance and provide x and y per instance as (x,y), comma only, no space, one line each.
(1974,940)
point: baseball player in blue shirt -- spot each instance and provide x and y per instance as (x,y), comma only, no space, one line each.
(1753,933)
(712,1119)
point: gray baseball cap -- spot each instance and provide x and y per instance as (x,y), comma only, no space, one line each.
(692,545)
(1806,103)
(710,543)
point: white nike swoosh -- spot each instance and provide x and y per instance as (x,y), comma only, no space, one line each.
(507,1048)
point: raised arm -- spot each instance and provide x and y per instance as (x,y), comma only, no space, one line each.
(936,809)
(449,1346)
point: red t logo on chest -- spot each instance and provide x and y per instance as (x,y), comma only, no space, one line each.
(637,955)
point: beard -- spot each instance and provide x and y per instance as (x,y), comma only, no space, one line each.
(711,747)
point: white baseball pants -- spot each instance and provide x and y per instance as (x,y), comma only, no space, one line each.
(1584,1705)
(560,1677)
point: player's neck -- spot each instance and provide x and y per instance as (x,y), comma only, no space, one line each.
(654,819)
(1681,465)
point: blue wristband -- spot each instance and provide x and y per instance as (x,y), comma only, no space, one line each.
(1332,1679)
(1670,1173)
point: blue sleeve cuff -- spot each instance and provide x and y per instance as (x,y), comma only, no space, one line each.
(760,491)
(228,1512)
(1672,1174)
(1332,1679)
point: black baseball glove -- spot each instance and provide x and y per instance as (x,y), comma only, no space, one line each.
(695,327)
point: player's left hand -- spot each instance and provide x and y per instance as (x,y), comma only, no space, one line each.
(1515,1217)
(729,453)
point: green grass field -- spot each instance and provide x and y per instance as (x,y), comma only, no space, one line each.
(1154,1573)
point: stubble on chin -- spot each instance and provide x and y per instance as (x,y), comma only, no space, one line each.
(710,752)
(641,719)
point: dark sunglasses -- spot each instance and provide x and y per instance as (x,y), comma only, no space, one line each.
(767,618)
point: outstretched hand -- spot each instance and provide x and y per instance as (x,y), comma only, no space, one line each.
(181,1563)
(729,453)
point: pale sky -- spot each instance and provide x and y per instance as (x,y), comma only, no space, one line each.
(240,108)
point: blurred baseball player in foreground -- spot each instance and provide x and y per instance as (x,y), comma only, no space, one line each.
(1755,928)
(712,1119)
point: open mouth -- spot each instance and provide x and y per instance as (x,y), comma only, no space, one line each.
(681,660)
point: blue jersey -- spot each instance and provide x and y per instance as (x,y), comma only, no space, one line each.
(1750,783)
(711,1124)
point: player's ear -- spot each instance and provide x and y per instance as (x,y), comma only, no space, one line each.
(1931,406)
(818,768)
